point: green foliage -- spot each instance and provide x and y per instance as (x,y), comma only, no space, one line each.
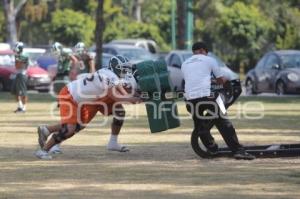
(288,31)
(158,13)
(69,27)
(35,12)
(2,25)
(240,33)
(243,25)
(122,27)
(155,17)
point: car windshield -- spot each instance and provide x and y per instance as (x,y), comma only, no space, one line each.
(290,61)
(105,61)
(135,54)
(33,57)
(7,60)
(185,56)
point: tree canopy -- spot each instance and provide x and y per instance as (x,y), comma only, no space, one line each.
(239,31)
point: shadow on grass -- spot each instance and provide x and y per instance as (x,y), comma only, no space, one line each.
(33,97)
(169,170)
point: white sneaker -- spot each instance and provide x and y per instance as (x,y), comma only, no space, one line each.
(43,133)
(55,149)
(43,155)
(117,147)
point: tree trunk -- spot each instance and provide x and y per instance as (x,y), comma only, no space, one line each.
(10,17)
(99,33)
(181,24)
(11,13)
(137,10)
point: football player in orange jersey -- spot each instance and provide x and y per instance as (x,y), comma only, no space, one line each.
(81,99)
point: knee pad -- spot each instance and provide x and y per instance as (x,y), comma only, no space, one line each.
(61,135)
(119,113)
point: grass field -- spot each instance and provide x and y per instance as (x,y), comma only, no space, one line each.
(159,165)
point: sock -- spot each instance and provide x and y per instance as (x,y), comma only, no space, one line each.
(113,143)
(24,107)
(113,139)
(20,104)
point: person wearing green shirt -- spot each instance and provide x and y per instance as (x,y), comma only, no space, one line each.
(86,63)
(65,62)
(19,85)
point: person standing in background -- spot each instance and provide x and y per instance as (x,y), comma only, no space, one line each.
(19,87)
(65,62)
(85,64)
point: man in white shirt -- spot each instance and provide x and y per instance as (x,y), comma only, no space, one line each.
(197,72)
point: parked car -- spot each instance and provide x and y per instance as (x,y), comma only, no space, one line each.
(277,71)
(34,54)
(147,44)
(38,78)
(175,59)
(4,46)
(134,54)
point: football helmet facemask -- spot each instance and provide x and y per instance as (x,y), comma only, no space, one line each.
(120,65)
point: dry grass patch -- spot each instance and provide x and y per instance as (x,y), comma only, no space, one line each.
(159,165)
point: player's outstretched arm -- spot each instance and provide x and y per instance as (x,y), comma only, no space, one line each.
(119,93)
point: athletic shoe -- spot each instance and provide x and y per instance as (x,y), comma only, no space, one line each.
(43,155)
(243,155)
(117,147)
(43,133)
(55,149)
(20,110)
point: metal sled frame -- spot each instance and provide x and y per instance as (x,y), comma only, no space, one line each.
(260,151)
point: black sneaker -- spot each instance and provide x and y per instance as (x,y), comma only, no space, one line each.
(19,110)
(243,155)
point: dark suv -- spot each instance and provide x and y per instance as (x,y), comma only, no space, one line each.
(277,71)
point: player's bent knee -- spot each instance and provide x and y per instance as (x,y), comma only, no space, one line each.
(63,134)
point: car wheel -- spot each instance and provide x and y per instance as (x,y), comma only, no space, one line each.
(250,87)
(280,88)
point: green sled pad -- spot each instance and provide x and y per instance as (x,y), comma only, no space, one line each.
(148,79)
(156,118)
(163,75)
(153,79)
(171,114)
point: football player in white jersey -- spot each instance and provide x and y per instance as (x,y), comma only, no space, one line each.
(80,100)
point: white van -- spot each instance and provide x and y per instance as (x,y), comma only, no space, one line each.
(147,44)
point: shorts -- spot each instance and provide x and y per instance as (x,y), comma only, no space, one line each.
(73,113)
(19,85)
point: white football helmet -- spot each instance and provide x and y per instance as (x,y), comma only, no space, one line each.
(120,65)
(19,47)
(57,48)
(79,48)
